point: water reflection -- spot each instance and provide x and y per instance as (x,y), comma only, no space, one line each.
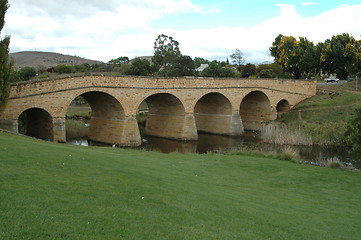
(223,144)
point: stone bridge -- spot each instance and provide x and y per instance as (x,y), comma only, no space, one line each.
(179,108)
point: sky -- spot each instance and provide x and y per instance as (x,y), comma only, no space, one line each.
(211,29)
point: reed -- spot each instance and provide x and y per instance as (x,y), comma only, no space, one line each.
(280,135)
(290,154)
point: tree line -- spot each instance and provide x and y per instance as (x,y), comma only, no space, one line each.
(340,55)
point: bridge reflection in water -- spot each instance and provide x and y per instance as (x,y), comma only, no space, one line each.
(250,141)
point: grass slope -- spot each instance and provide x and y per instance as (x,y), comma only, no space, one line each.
(54,191)
(326,115)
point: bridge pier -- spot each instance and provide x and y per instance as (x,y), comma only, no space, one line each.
(130,134)
(180,127)
(221,124)
(9,124)
(59,133)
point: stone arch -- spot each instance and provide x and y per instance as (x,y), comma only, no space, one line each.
(167,118)
(213,114)
(282,107)
(107,117)
(255,110)
(36,122)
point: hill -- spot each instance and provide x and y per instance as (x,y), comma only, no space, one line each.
(59,191)
(46,59)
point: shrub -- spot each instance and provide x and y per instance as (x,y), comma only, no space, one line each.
(63,68)
(290,154)
(334,162)
(26,73)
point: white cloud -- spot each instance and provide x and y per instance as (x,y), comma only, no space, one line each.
(306,4)
(103,30)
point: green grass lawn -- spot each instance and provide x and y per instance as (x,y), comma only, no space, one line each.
(59,191)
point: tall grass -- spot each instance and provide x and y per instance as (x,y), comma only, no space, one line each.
(280,135)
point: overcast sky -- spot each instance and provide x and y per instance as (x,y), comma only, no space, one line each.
(212,29)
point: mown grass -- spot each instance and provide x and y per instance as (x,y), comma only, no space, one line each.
(54,191)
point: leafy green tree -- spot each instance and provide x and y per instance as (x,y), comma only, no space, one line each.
(333,56)
(275,67)
(166,51)
(6,68)
(26,73)
(237,57)
(140,67)
(117,64)
(215,69)
(266,73)
(181,66)
(85,67)
(297,57)
(247,70)
(119,60)
(198,61)
(169,60)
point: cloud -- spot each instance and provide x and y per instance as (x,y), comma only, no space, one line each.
(306,4)
(103,30)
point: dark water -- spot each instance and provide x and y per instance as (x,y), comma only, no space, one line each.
(250,141)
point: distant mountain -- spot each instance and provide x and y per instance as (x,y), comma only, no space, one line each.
(46,59)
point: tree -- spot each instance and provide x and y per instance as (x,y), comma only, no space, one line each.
(6,68)
(215,69)
(26,73)
(169,60)
(140,67)
(199,61)
(166,51)
(181,66)
(341,55)
(116,64)
(237,57)
(297,57)
(247,70)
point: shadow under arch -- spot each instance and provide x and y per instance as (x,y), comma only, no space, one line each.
(255,110)
(213,114)
(107,117)
(166,117)
(283,106)
(36,122)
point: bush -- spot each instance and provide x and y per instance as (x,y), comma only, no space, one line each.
(267,73)
(290,154)
(63,68)
(334,162)
(26,73)
(353,131)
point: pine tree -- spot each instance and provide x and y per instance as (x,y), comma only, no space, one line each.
(5,66)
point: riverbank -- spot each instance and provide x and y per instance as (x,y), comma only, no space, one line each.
(51,191)
(321,119)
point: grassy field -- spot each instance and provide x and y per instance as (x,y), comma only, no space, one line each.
(60,191)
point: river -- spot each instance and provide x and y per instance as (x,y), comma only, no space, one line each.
(249,142)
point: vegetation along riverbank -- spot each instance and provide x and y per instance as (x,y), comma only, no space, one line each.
(53,191)
(322,119)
